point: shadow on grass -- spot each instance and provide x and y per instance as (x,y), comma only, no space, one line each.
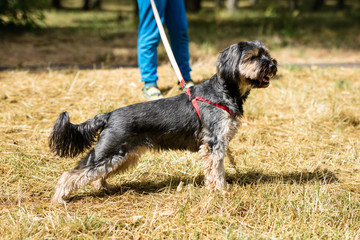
(253,178)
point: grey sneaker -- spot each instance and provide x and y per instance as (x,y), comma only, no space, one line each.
(188,83)
(152,93)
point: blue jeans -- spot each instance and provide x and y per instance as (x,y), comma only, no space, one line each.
(174,15)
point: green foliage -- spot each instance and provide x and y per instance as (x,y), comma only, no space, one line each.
(20,12)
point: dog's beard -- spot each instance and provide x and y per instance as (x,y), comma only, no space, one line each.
(257,74)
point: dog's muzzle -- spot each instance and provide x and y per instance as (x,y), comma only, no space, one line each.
(265,81)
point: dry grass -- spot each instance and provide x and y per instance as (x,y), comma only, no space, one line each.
(296,176)
(296,173)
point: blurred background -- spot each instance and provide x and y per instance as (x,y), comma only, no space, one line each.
(103,33)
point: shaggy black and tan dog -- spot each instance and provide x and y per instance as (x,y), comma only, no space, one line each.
(180,122)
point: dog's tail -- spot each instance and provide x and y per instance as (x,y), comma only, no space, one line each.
(69,140)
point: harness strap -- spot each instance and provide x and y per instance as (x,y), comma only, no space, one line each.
(183,84)
(196,106)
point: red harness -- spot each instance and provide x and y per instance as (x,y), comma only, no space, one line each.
(196,106)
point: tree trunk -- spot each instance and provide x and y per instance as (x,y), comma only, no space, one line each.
(318,4)
(219,3)
(136,8)
(341,4)
(192,5)
(293,4)
(231,5)
(56,3)
(91,4)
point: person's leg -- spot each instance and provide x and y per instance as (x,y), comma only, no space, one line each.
(148,41)
(177,25)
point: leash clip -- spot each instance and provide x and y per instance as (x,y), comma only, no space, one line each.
(187,91)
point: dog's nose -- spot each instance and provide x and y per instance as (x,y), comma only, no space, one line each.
(272,66)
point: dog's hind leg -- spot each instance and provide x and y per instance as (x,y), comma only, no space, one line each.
(95,169)
(68,182)
(128,162)
(82,175)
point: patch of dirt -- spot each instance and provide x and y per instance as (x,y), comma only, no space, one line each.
(59,47)
(65,48)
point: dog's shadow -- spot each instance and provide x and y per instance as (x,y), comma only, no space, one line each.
(253,178)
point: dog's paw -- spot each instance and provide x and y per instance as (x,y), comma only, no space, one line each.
(56,199)
(102,185)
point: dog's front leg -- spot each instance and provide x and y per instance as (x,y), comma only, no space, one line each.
(213,163)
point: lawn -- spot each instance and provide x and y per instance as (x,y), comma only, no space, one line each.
(294,164)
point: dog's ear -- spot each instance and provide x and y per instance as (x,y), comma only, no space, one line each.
(228,63)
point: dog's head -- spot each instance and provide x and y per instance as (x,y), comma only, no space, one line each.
(248,64)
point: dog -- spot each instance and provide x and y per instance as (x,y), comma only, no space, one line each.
(175,123)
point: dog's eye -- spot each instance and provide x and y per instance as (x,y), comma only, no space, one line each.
(253,57)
